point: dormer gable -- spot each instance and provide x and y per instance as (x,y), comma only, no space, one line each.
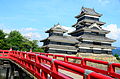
(57,28)
(95,26)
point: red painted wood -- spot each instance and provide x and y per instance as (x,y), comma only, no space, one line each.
(41,65)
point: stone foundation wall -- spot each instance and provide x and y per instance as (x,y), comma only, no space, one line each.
(103,57)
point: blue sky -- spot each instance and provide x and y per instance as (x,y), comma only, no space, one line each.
(33,17)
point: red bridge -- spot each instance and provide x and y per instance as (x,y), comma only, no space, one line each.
(42,66)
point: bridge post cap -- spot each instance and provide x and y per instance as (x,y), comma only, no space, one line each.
(65,55)
(82,57)
(26,52)
(37,54)
(53,60)
(110,63)
(87,72)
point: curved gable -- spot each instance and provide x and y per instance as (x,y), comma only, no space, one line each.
(95,26)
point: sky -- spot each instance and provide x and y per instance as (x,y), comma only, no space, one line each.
(33,17)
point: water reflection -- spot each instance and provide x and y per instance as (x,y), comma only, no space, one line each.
(2,73)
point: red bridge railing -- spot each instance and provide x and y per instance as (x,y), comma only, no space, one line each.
(110,71)
(43,67)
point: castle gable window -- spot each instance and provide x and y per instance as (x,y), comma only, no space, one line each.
(95,28)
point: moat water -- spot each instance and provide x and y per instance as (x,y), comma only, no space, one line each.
(3,73)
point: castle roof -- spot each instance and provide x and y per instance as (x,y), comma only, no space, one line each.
(96,38)
(88,29)
(61,47)
(67,39)
(88,11)
(57,28)
(95,46)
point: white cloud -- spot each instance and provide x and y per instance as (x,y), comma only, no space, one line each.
(28,29)
(32,35)
(104,2)
(2,25)
(5,28)
(29,32)
(70,29)
(114,31)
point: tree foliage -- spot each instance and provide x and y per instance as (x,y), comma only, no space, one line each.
(117,56)
(2,40)
(17,41)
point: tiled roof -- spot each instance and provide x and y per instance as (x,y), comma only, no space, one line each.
(88,21)
(61,47)
(88,29)
(95,46)
(92,21)
(88,11)
(67,39)
(96,38)
(57,28)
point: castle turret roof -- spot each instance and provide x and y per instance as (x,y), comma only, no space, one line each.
(57,28)
(90,28)
(66,39)
(88,11)
(95,46)
(96,38)
(61,47)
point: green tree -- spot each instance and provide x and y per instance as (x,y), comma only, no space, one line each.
(35,46)
(26,45)
(15,40)
(18,42)
(117,56)
(3,44)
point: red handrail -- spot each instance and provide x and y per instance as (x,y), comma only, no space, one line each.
(35,62)
(110,71)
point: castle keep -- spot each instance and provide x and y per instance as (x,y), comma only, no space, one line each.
(89,36)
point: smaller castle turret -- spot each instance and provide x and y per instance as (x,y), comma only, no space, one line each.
(57,42)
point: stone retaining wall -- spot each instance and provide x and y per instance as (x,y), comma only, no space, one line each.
(103,57)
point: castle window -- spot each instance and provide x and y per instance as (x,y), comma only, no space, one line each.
(91,18)
(96,43)
(56,34)
(95,33)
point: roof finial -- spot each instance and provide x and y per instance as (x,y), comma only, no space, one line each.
(58,23)
(93,9)
(82,6)
(82,9)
